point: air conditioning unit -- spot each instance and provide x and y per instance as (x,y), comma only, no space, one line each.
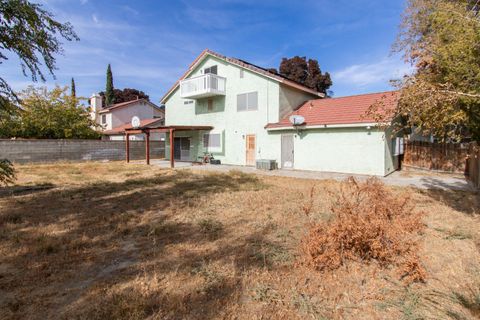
(264,164)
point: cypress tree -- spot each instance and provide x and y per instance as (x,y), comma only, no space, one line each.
(72,88)
(109,95)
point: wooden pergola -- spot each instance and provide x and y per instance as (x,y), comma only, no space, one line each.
(161,129)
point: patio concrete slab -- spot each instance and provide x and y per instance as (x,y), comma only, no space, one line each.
(416,179)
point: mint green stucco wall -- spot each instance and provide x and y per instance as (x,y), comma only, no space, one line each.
(350,150)
(346,150)
(225,118)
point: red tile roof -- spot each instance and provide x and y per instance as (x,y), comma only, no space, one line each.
(121,129)
(342,110)
(127,103)
(242,64)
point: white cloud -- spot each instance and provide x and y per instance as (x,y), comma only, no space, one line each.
(368,74)
(94,18)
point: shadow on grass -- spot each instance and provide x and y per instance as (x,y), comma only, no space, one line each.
(101,237)
(467,202)
(24,190)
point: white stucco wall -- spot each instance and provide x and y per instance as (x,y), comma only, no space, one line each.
(123,115)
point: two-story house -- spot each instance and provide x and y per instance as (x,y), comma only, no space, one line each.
(249,109)
(114,119)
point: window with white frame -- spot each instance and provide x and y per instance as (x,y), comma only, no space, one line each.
(104,118)
(212,140)
(247,101)
(212,70)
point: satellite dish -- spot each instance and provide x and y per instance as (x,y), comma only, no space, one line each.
(135,122)
(296,120)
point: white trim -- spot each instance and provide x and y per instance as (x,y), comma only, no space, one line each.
(327,126)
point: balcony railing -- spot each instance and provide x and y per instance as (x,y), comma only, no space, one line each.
(207,85)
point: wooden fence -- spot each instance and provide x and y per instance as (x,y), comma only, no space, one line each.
(472,171)
(447,157)
(459,158)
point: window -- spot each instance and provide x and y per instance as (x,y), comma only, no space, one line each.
(188,102)
(212,140)
(210,105)
(247,101)
(104,118)
(241,73)
(212,69)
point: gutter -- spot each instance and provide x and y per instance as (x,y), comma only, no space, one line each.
(326,126)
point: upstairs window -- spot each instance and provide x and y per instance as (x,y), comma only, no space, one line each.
(104,118)
(210,104)
(212,70)
(212,140)
(247,101)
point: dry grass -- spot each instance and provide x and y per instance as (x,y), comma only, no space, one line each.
(116,241)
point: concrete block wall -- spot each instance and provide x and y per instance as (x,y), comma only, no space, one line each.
(32,151)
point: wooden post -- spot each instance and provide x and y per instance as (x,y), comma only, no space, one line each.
(172,149)
(127,147)
(147,146)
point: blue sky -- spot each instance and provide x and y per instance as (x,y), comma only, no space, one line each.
(151,43)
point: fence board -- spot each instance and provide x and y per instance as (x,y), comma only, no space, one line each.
(436,156)
(473,165)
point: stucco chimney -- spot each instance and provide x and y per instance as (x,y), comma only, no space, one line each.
(95,107)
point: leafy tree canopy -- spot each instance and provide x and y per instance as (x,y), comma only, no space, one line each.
(32,34)
(442,97)
(45,114)
(306,72)
(125,95)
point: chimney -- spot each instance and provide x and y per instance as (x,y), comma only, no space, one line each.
(95,107)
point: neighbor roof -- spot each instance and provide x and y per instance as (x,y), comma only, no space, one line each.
(342,110)
(127,103)
(143,123)
(242,64)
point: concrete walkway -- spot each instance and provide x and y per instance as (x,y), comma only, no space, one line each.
(417,179)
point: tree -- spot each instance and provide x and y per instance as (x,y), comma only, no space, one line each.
(73,92)
(442,96)
(109,94)
(48,114)
(31,33)
(305,72)
(127,94)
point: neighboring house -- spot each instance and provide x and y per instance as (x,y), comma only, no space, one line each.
(248,108)
(115,118)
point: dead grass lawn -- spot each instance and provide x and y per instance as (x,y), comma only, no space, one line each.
(116,241)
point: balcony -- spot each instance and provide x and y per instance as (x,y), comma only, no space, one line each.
(204,86)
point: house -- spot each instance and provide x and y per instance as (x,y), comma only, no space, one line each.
(114,119)
(248,110)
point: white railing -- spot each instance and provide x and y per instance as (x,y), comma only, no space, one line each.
(206,85)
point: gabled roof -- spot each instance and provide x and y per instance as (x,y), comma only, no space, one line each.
(145,123)
(128,103)
(340,111)
(241,63)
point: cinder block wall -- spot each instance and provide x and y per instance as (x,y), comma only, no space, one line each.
(30,151)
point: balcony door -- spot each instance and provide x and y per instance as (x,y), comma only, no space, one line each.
(250,149)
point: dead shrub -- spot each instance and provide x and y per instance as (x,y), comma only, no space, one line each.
(369,223)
